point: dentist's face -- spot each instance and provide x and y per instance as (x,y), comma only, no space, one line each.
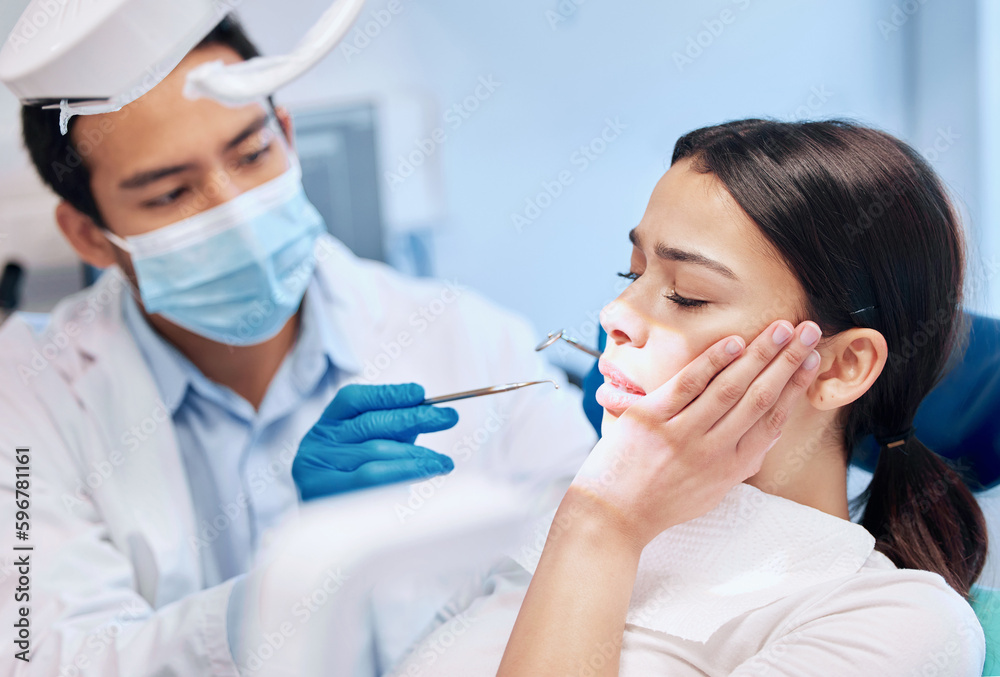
(702,271)
(164,157)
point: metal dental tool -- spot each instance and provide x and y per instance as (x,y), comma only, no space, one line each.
(561,334)
(505,387)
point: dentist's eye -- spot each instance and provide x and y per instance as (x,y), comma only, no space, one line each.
(685,302)
(630,276)
(165,200)
(251,158)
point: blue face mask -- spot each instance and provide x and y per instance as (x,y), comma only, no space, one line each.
(237,272)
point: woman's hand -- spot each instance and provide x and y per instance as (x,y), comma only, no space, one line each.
(669,458)
(674,454)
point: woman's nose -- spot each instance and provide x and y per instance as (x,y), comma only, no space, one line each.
(623,324)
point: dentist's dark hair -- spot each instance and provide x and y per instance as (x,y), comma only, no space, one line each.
(865,225)
(61,161)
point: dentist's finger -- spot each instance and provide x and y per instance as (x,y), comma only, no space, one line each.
(348,458)
(377,473)
(690,382)
(763,393)
(318,483)
(402,425)
(356,398)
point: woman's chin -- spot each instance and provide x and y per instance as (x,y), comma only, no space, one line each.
(608,420)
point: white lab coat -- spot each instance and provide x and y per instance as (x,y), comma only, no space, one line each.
(116,586)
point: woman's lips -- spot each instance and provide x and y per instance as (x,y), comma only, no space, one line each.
(618,392)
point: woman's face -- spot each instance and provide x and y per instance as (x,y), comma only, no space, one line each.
(702,271)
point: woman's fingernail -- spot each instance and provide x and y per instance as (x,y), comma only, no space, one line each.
(782,333)
(810,335)
(771,446)
(734,346)
(811,361)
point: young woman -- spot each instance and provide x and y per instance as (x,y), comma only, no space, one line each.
(708,533)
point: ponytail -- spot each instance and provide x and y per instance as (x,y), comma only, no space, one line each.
(923,516)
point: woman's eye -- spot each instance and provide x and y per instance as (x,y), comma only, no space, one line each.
(684,302)
(167,199)
(629,276)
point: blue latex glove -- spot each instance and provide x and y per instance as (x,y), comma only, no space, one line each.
(365,439)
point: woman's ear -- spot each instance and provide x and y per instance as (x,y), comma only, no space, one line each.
(84,236)
(849,364)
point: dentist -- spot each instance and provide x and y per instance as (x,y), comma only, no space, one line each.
(231,361)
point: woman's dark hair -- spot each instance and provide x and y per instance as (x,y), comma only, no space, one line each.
(867,228)
(62,166)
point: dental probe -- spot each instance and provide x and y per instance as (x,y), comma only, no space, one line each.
(561,334)
(503,388)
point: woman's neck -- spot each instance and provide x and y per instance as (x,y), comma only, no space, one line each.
(808,465)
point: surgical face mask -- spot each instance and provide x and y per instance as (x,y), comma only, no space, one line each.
(234,273)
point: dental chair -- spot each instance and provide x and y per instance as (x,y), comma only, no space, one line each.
(959,420)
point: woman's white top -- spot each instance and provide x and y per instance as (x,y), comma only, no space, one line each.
(760,585)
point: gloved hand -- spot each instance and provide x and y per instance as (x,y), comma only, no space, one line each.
(365,439)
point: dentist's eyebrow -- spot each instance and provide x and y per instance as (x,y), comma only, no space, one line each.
(144,178)
(671,254)
(248,131)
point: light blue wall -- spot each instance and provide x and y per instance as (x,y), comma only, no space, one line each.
(559,83)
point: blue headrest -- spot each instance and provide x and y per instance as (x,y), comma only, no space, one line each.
(959,419)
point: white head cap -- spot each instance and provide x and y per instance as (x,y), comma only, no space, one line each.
(103,53)
(95,56)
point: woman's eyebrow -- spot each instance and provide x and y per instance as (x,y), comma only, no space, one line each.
(671,254)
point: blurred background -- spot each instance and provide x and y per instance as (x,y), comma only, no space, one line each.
(510,147)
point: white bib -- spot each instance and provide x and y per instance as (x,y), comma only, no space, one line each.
(749,551)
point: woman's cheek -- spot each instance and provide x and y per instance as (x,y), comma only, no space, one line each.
(671,351)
